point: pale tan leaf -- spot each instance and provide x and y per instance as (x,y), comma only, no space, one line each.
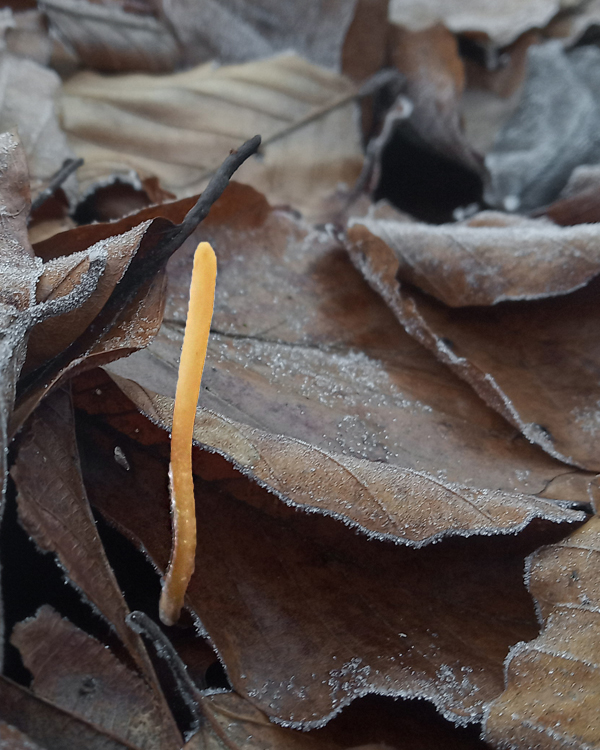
(502,22)
(180,127)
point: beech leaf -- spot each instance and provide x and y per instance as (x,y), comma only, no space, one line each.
(529,360)
(553,682)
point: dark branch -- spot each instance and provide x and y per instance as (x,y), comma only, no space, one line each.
(160,241)
(69,166)
(140,623)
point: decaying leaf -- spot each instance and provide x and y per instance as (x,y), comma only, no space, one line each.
(179,128)
(302,347)
(233,31)
(552,131)
(579,201)
(532,361)
(27,102)
(80,675)
(13,739)
(104,36)
(553,682)
(48,725)
(501,23)
(384,500)
(54,509)
(306,614)
(131,311)
(490,258)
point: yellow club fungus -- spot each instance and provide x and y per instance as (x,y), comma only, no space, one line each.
(191,365)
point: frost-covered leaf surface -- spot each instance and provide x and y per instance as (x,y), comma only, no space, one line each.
(343,616)
(553,682)
(490,258)
(302,347)
(531,361)
(553,130)
(77,673)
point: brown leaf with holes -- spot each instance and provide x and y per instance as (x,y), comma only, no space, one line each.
(302,347)
(532,361)
(80,675)
(345,615)
(553,682)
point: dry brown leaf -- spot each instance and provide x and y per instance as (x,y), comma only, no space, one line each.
(54,510)
(104,36)
(48,725)
(302,347)
(578,202)
(502,23)
(80,675)
(389,724)
(179,128)
(553,682)
(13,739)
(305,614)
(384,500)
(490,258)
(533,361)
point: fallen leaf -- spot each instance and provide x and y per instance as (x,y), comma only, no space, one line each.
(49,725)
(28,103)
(179,128)
(131,311)
(54,510)
(552,131)
(344,615)
(578,202)
(80,675)
(232,31)
(552,682)
(532,361)
(490,258)
(12,739)
(104,36)
(302,347)
(384,500)
(435,82)
(501,23)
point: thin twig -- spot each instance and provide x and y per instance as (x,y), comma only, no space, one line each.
(144,266)
(140,623)
(68,168)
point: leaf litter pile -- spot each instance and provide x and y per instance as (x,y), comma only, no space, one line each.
(396,447)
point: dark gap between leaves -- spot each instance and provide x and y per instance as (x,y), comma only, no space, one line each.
(31,578)
(422,182)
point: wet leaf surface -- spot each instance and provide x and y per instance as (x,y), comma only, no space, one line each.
(553,681)
(534,362)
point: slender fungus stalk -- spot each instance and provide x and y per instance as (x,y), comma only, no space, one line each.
(191,365)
